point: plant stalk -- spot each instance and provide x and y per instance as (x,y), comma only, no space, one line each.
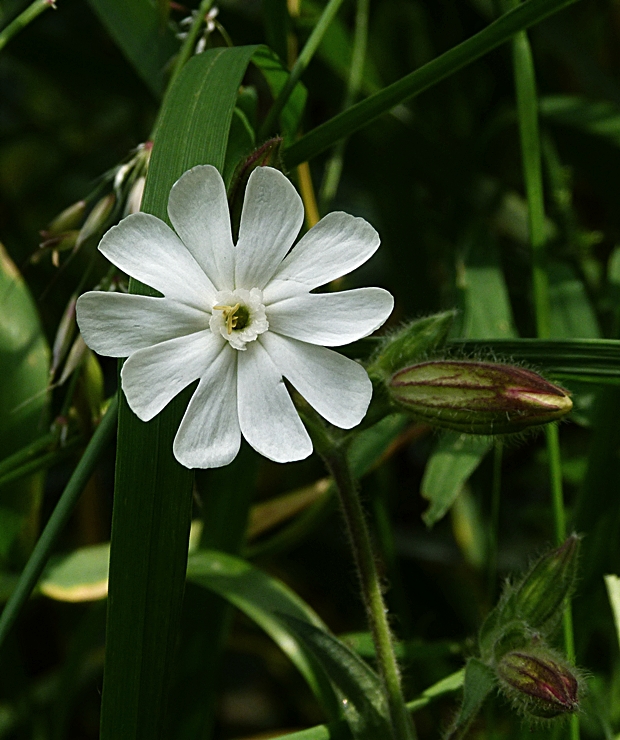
(60,516)
(527,109)
(359,535)
(23,19)
(303,60)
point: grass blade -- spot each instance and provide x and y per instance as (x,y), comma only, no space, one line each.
(153,497)
(363,113)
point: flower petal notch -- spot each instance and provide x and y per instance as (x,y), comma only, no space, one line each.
(239,319)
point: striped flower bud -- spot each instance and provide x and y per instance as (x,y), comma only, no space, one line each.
(539,599)
(478,397)
(538,683)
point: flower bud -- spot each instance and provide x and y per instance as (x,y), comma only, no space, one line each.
(97,219)
(68,219)
(409,344)
(478,397)
(538,683)
(539,598)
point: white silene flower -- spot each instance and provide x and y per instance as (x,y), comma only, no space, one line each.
(238,318)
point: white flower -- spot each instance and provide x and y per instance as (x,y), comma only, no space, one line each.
(237,318)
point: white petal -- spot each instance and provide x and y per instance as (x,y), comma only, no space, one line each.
(336,245)
(338,388)
(331,319)
(198,210)
(268,418)
(270,221)
(152,377)
(148,250)
(209,435)
(118,324)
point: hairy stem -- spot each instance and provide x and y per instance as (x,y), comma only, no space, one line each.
(338,465)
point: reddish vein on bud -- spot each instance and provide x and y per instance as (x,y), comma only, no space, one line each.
(478,397)
(539,684)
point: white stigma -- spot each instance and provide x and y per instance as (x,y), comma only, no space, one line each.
(238,316)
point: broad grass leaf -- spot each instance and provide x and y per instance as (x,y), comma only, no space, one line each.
(24,369)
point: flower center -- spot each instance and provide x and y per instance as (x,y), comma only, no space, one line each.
(236,317)
(239,316)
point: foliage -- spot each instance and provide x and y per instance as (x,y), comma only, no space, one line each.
(481,140)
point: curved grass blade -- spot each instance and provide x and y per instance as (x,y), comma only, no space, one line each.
(153,496)
(363,697)
(363,113)
(270,604)
(588,360)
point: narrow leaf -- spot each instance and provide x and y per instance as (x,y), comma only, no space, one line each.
(478,683)
(24,373)
(270,604)
(613,591)
(360,115)
(153,496)
(363,697)
(455,459)
(590,360)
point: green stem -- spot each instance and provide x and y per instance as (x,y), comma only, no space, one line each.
(187,49)
(494,529)
(363,113)
(25,455)
(338,465)
(527,108)
(60,516)
(333,169)
(40,463)
(555,474)
(303,60)
(23,19)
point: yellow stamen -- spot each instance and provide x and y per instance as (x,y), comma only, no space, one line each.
(230,317)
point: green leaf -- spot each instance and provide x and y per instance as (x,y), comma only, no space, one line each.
(241,142)
(145,41)
(612,584)
(153,496)
(571,314)
(79,576)
(599,118)
(338,730)
(363,697)
(486,306)
(269,603)
(336,48)
(24,369)
(478,683)
(363,113)
(276,75)
(454,460)
(589,360)
(369,445)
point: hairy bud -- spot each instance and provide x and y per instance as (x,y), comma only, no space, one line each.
(539,599)
(538,683)
(478,397)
